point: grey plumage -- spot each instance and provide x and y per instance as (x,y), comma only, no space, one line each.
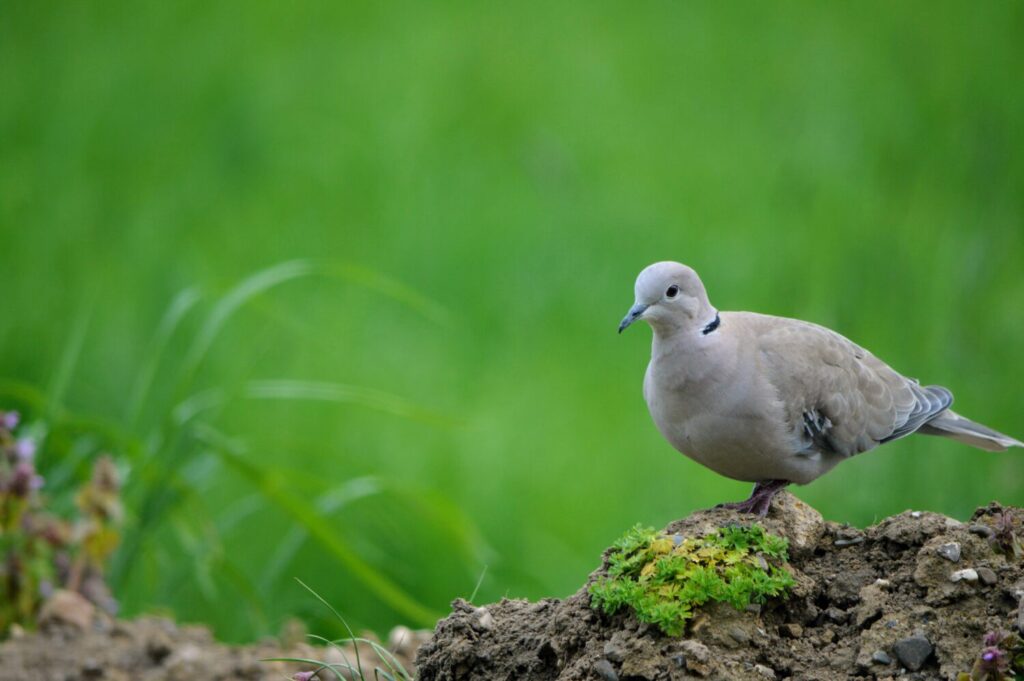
(763,398)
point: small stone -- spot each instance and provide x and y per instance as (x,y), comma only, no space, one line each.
(983,531)
(613,651)
(737,634)
(913,652)
(828,636)
(67,607)
(987,576)
(791,630)
(950,552)
(880,657)
(484,619)
(967,575)
(915,514)
(766,672)
(605,671)
(848,542)
(836,615)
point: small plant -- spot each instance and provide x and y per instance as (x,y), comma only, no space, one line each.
(1007,539)
(665,577)
(40,552)
(349,668)
(1001,659)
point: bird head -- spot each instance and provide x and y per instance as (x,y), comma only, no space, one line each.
(669,296)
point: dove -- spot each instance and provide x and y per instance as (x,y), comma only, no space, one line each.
(772,400)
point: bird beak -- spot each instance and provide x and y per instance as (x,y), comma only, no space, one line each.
(635,313)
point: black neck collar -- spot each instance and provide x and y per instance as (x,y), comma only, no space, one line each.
(712,326)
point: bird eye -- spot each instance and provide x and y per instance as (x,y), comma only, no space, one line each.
(672,291)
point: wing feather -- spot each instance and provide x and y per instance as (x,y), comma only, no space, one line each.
(837,396)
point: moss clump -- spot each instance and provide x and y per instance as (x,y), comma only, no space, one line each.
(664,578)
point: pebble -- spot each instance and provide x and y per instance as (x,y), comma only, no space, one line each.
(68,607)
(987,576)
(766,672)
(849,542)
(967,575)
(791,630)
(950,552)
(614,651)
(605,671)
(915,514)
(484,619)
(981,530)
(836,615)
(737,634)
(880,657)
(913,652)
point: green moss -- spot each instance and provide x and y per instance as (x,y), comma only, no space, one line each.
(664,578)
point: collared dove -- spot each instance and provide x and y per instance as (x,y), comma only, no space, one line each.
(772,400)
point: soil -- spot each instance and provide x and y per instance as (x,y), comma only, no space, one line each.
(910,598)
(71,646)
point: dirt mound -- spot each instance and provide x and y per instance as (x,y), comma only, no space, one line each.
(912,597)
(73,645)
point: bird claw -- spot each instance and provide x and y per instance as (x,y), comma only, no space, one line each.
(760,500)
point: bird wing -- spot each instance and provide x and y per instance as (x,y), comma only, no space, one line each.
(837,397)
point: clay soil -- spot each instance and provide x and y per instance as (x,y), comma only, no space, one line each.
(909,598)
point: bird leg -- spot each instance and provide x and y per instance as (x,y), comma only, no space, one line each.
(760,499)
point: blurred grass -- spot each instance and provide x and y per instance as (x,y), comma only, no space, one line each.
(472,189)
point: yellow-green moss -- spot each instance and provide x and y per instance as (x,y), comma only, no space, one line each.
(664,577)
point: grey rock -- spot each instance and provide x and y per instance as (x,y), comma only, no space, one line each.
(880,657)
(737,634)
(791,630)
(614,651)
(987,576)
(950,552)
(981,530)
(836,615)
(605,671)
(766,672)
(913,651)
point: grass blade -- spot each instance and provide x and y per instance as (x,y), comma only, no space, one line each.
(248,288)
(341,393)
(176,312)
(68,360)
(319,529)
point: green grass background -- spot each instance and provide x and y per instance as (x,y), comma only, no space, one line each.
(469,190)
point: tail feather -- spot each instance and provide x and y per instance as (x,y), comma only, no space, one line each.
(955,427)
